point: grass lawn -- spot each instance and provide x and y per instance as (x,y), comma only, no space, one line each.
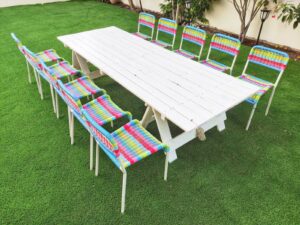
(235,177)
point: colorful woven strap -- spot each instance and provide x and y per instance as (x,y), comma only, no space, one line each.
(103,110)
(264,87)
(215,65)
(49,55)
(161,43)
(147,20)
(194,35)
(31,57)
(135,143)
(226,44)
(18,42)
(269,57)
(82,87)
(144,36)
(103,138)
(63,69)
(167,26)
(185,53)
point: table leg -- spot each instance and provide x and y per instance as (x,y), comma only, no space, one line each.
(75,62)
(165,134)
(81,63)
(221,122)
(148,117)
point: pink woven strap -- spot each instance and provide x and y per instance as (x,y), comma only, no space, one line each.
(267,62)
(194,38)
(224,47)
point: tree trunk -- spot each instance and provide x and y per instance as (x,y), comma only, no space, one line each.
(173,12)
(141,6)
(177,12)
(131,5)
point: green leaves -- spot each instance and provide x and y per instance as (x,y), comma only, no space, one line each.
(289,13)
(196,12)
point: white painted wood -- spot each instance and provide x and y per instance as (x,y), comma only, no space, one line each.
(187,93)
(165,135)
(184,91)
(148,117)
(124,181)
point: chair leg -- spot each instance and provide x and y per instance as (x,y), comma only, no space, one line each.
(270,101)
(56,105)
(123,191)
(28,71)
(52,98)
(91,151)
(251,116)
(166,168)
(69,119)
(72,128)
(38,83)
(97,160)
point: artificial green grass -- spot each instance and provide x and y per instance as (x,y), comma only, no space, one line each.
(235,177)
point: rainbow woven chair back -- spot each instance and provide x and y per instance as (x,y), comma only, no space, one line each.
(268,57)
(194,35)
(75,104)
(103,138)
(31,57)
(225,44)
(146,20)
(18,42)
(167,26)
(48,73)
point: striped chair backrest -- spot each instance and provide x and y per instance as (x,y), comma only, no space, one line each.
(147,20)
(31,57)
(104,139)
(194,35)
(226,44)
(18,42)
(268,57)
(167,26)
(75,104)
(48,72)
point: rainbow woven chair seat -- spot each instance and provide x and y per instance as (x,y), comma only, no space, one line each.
(221,43)
(103,110)
(161,43)
(63,69)
(196,38)
(215,65)
(135,143)
(262,84)
(49,55)
(186,53)
(73,92)
(146,21)
(126,146)
(82,87)
(269,58)
(168,28)
(51,74)
(144,36)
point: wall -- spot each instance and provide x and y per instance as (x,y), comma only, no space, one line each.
(223,16)
(6,3)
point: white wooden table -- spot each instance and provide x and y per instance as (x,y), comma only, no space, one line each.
(174,88)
